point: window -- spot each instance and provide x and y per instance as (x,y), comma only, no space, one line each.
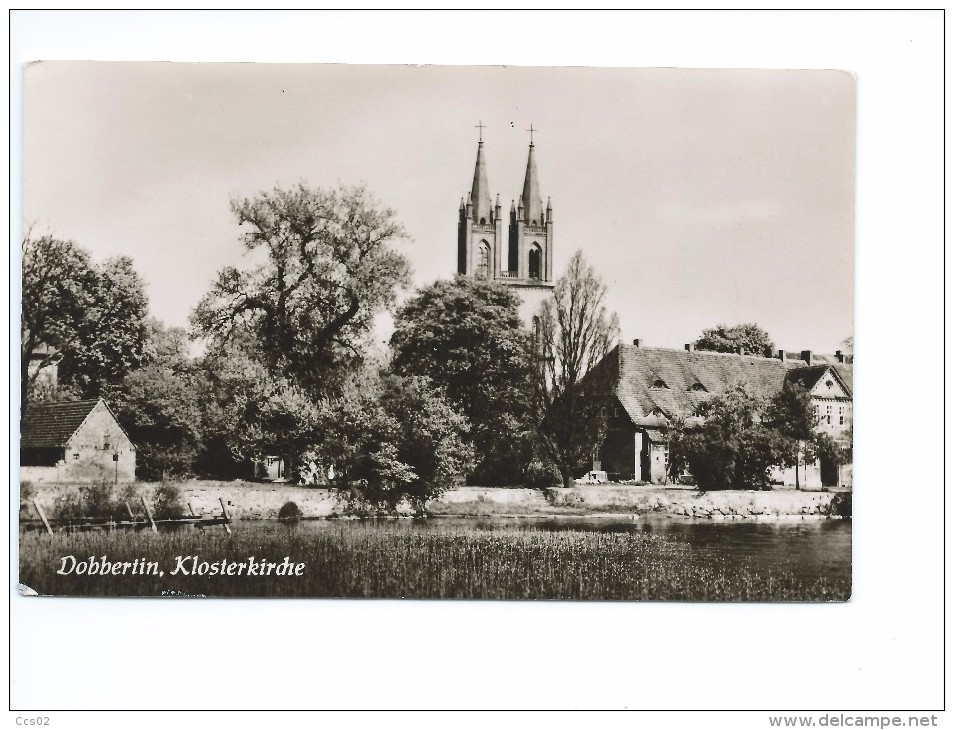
(660,383)
(828,414)
(105,442)
(657,411)
(841,415)
(483,221)
(483,260)
(698,388)
(536,330)
(75,457)
(533,269)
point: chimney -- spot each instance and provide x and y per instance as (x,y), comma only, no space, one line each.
(807,356)
(690,347)
(781,355)
(637,342)
(839,356)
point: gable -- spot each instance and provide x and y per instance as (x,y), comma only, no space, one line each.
(100,430)
(828,386)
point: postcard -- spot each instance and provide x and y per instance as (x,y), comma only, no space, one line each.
(340,331)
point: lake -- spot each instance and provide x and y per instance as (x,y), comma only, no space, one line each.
(650,558)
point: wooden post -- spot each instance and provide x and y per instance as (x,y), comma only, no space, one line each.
(149,514)
(225,514)
(129,510)
(39,511)
(191,511)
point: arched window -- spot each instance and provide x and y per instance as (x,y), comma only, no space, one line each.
(483,221)
(535,326)
(533,269)
(483,261)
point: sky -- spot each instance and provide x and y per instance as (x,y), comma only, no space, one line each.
(699,196)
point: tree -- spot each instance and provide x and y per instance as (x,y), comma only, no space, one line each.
(848,346)
(112,334)
(249,412)
(328,268)
(393,439)
(88,320)
(466,336)
(749,337)
(57,278)
(791,413)
(159,406)
(732,448)
(574,334)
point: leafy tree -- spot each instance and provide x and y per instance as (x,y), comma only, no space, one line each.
(158,406)
(791,413)
(574,334)
(749,337)
(466,336)
(327,267)
(732,448)
(112,333)
(57,278)
(249,413)
(395,439)
(90,319)
(848,347)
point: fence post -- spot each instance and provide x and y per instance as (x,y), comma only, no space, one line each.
(149,514)
(39,511)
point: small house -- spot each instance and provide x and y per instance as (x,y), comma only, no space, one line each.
(79,441)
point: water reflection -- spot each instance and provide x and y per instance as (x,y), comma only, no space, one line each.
(808,548)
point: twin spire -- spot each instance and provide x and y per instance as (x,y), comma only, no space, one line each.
(531,205)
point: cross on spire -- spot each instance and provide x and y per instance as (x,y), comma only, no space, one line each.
(481,126)
(532,130)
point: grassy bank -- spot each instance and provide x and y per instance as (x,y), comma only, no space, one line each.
(257,500)
(395,560)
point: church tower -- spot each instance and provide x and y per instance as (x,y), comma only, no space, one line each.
(480,228)
(530,254)
(528,265)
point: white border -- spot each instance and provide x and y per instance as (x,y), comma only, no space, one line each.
(880,651)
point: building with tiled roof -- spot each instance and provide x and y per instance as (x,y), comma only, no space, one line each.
(654,385)
(78,441)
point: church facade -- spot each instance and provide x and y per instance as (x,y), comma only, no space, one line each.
(517,251)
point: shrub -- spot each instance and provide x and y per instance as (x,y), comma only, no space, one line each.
(840,505)
(542,476)
(95,501)
(167,502)
(27,493)
(289,511)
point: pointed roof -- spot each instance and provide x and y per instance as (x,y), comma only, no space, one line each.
(809,376)
(51,425)
(636,369)
(480,191)
(531,201)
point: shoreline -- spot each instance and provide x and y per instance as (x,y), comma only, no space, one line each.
(263,500)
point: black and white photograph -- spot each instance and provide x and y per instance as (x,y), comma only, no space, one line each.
(456,335)
(397,332)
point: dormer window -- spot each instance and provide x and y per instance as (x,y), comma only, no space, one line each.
(657,411)
(698,387)
(660,383)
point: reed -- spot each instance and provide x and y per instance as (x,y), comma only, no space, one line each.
(394,559)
